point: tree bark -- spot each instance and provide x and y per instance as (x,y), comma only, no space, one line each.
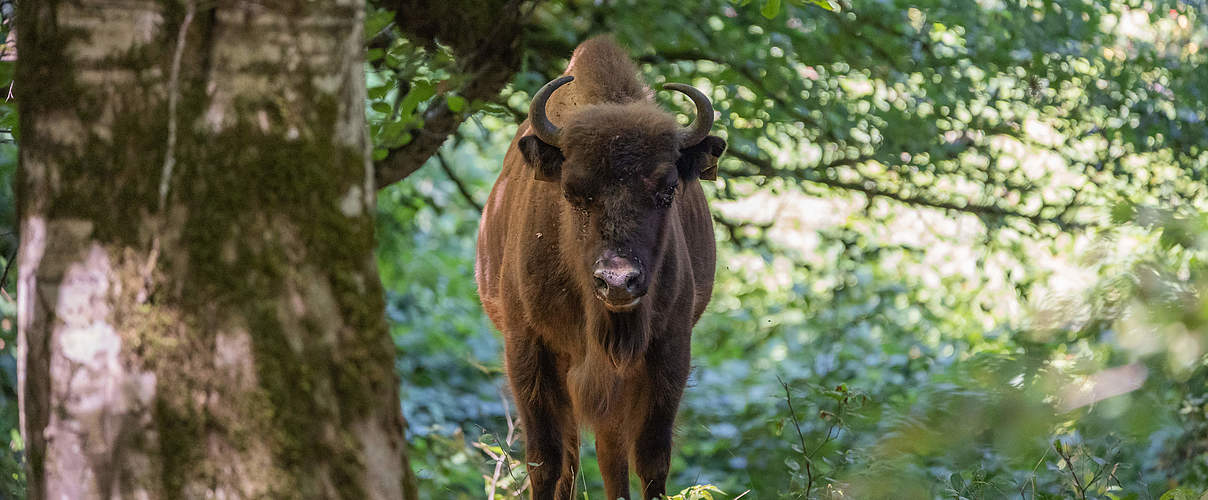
(200,313)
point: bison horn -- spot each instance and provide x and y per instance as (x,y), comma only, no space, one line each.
(699,129)
(545,129)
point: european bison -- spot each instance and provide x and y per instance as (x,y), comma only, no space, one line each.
(595,259)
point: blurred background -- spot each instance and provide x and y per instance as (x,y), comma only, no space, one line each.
(961,247)
(964,239)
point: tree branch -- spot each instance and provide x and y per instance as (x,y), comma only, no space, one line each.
(485,65)
(461,187)
(765,168)
(736,229)
(672,55)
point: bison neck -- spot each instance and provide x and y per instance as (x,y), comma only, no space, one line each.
(623,336)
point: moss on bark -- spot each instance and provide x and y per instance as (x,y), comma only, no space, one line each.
(251,228)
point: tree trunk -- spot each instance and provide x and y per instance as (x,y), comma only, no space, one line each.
(199,308)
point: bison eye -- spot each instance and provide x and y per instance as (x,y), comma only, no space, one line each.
(663,197)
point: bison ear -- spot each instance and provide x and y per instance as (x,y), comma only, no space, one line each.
(700,161)
(545,159)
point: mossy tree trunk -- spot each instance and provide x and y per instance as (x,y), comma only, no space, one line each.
(199,308)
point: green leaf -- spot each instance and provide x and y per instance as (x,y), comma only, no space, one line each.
(456,103)
(770,9)
(380,107)
(379,92)
(1182,494)
(420,92)
(1171,236)
(698,492)
(393,60)
(826,4)
(392,131)
(957,482)
(1123,212)
(376,21)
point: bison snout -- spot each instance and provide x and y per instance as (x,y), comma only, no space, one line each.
(619,283)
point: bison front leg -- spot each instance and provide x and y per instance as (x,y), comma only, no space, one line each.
(612,453)
(667,363)
(551,437)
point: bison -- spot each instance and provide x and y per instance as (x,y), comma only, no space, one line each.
(595,259)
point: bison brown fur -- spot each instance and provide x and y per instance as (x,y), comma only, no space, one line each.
(595,259)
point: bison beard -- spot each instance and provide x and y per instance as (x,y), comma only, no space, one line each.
(595,259)
(623,337)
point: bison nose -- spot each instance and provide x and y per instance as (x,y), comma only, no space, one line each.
(618,281)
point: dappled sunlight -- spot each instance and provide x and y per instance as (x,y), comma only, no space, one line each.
(963,241)
(1101,385)
(961,249)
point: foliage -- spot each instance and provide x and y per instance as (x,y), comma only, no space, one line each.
(698,492)
(943,226)
(12,447)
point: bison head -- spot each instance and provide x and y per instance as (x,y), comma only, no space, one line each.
(620,168)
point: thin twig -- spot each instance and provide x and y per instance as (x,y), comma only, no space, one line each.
(734,228)
(1069,466)
(7,265)
(1032,477)
(461,187)
(1099,475)
(809,470)
(830,435)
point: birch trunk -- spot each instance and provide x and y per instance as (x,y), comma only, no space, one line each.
(199,308)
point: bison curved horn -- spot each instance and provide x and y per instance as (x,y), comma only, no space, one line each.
(542,127)
(699,129)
